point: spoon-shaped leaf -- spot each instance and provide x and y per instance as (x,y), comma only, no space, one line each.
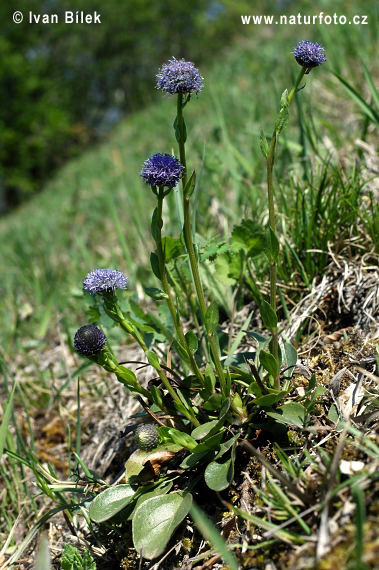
(155,521)
(109,502)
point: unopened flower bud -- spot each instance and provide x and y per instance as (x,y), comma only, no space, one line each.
(146,437)
(89,340)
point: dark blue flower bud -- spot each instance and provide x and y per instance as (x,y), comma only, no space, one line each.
(89,340)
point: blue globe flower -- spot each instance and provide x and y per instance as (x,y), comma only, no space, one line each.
(162,170)
(309,54)
(89,340)
(179,76)
(104,280)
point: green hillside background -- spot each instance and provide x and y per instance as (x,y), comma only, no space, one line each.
(95,212)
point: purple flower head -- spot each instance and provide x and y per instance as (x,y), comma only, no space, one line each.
(309,54)
(89,340)
(179,76)
(104,280)
(162,170)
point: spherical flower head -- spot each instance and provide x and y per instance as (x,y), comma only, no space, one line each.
(179,76)
(146,437)
(309,54)
(162,170)
(104,281)
(89,340)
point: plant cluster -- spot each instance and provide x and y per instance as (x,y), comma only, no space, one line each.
(203,406)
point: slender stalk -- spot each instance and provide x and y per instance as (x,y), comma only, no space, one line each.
(180,135)
(113,310)
(272,221)
(123,376)
(303,72)
(188,413)
(137,387)
(166,288)
(136,335)
(190,300)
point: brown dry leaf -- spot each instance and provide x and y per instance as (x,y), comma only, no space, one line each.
(336,336)
(158,460)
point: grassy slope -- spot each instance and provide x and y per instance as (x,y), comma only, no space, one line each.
(71,227)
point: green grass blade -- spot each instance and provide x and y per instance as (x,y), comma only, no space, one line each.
(365,107)
(43,559)
(78,423)
(370,83)
(119,232)
(283,535)
(32,533)
(238,339)
(5,422)
(359,519)
(211,534)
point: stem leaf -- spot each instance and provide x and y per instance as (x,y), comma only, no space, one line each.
(154,262)
(190,186)
(282,119)
(156,395)
(211,317)
(268,316)
(156,294)
(269,363)
(180,130)
(153,360)
(156,225)
(192,341)
(263,144)
(272,244)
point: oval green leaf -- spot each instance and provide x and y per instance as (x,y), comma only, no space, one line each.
(292,413)
(182,439)
(270,399)
(268,315)
(110,502)
(218,476)
(203,430)
(156,520)
(269,363)
(192,341)
(211,318)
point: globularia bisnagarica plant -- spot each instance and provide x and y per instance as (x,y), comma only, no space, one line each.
(197,409)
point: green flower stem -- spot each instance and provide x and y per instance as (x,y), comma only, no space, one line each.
(187,413)
(107,360)
(272,222)
(296,86)
(123,375)
(113,311)
(181,138)
(136,386)
(190,299)
(166,287)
